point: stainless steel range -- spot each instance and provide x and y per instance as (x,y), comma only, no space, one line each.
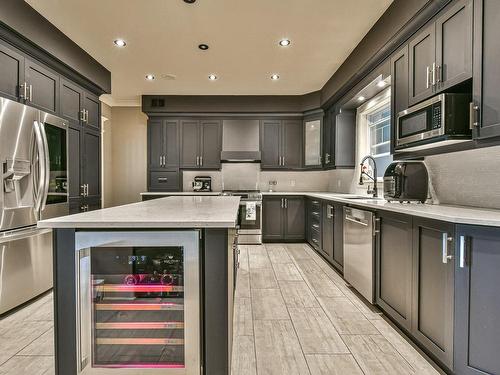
(249,216)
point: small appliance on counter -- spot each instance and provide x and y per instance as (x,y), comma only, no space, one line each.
(406,181)
(202,184)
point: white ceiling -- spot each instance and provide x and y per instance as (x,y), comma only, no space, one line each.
(162,38)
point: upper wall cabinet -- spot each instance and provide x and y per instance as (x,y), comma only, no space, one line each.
(281,143)
(486,91)
(201,144)
(79,106)
(163,144)
(339,138)
(41,87)
(11,73)
(399,91)
(312,142)
(440,55)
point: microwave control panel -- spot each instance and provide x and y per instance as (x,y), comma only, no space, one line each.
(436,115)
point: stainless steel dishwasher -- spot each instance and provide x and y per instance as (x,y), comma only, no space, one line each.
(359,251)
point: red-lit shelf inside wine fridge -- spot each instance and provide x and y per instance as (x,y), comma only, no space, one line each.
(151,288)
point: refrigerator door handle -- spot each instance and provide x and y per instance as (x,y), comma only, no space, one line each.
(46,164)
(40,149)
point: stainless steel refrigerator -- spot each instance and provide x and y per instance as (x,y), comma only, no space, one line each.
(34,170)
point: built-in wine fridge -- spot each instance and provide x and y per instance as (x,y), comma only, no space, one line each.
(138,305)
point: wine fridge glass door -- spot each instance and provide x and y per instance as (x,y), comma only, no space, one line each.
(138,302)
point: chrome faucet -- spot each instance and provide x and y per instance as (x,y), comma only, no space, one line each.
(373,178)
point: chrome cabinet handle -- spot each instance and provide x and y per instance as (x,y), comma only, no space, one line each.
(329,214)
(462,249)
(162,179)
(82,115)
(24,95)
(201,161)
(286,203)
(315,226)
(433,74)
(86,190)
(446,240)
(161,161)
(82,190)
(439,73)
(473,116)
(427,77)
(197,161)
(282,203)
(327,158)
(30,93)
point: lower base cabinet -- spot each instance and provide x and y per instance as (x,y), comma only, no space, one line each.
(283,218)
(394,263)
(477,301)
(433,287)
(415,279)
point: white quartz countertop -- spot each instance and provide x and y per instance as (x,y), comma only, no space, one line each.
(453,214)
(188,193)
(169,212)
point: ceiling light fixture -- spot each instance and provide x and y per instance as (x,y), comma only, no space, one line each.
(381,84)
(361,98)
(203,46)
(285,42)
(150,77)
(120,43)
(212,77)
(275,77)
(190,1)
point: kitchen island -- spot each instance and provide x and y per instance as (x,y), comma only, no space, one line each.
(146,287)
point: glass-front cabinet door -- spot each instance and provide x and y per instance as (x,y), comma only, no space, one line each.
(138,302)
(312,150)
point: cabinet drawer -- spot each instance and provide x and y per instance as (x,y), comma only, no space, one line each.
(315,239)
(164,181)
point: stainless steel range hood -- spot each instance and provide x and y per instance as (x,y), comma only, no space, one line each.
(240,141)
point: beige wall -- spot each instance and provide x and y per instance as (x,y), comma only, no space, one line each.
(124,156)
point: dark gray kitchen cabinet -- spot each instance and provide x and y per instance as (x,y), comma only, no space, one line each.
(156,144)
(486,82)
(281,144)
(399,89)
(190,143)
(477,301)
(270,143)
(454,45)
(295,218)
(339,138)
(163,144)
(272,218)
(210,144)
(92,163)
(327,230)
(292,144)
(433,287)
(313,153)
(440,54)
(42,87)
(201,144)
(92,107)
(71,102)
(394,264)
(328,160)
(344,139)
(422,53)
(283,218)
(167,180)
(11,73)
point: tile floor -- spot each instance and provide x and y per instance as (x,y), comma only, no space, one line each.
(293,315)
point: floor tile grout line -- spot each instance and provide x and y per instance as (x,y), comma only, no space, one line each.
(327,315)
(291,320)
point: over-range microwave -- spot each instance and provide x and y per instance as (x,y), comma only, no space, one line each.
(443,118)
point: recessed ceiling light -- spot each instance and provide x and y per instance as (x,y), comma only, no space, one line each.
(203,46)
(150,77)
(361,98)
(120,43)
(190,1)
(212,77)
(285,42)
(381,84)
(275,77)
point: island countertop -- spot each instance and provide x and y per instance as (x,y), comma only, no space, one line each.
(170,212)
